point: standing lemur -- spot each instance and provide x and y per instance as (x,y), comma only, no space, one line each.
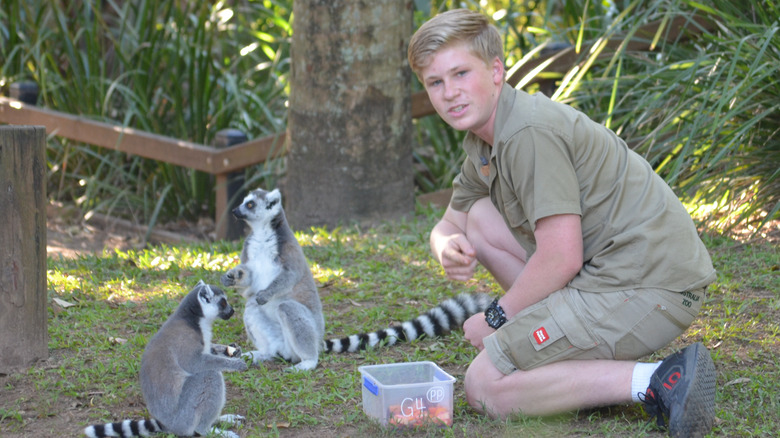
(181,373)
(283,315)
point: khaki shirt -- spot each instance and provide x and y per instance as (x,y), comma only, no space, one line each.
(551,159)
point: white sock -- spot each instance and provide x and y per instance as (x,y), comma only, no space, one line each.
(640,380)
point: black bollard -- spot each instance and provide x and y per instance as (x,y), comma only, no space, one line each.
(24,91)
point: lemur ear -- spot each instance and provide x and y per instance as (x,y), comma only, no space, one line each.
(205,293)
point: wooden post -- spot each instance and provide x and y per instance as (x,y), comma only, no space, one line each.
(23,297)
(229,190)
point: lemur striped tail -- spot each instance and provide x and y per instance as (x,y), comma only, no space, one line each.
(442,319)
(124,429)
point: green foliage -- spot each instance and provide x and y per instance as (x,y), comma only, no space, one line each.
(438,154)
(702,110)
(180,69)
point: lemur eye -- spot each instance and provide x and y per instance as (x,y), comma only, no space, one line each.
(222,303)
(250,205)
(271,204)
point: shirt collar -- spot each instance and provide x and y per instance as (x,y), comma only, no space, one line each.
(479,151)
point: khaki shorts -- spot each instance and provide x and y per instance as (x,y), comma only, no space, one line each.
(570,324)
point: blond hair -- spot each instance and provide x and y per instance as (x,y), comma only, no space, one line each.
(453,27)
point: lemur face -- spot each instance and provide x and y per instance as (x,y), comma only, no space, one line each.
(213,302)
(259,206)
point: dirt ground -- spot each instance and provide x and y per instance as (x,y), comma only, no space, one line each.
(68,234)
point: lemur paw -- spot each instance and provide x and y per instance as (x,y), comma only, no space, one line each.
(231,419)
(232,350)
(236,350)
(240,364)
(258,356)
(232,277)
(303,365)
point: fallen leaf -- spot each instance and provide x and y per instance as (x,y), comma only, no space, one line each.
(284,425)
(62,303)
(737,381)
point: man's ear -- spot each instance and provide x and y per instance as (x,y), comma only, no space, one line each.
(498,71)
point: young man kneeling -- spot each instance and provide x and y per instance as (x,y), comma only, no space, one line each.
(600,262)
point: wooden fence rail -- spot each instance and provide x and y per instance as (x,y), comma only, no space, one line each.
(221,162)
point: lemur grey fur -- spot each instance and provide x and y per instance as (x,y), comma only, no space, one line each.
(283,316)
(283,313)
(181,373)
(440,320)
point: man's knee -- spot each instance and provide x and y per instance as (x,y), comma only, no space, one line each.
(496,247)
(486,227)
(483,218)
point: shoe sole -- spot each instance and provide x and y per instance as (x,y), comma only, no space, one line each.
(695,417)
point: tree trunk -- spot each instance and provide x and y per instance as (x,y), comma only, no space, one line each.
(349,123)
(23,335)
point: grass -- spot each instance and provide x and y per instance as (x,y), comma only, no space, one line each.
(368,278)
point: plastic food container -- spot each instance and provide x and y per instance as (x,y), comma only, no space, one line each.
(407,394)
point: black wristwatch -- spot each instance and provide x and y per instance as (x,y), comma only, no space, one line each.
(494,315)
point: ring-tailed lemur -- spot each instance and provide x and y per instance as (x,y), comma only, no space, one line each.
(181,373)
(442,319)
(283,313)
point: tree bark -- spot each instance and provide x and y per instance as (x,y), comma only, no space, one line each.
(23,298)
(349,123)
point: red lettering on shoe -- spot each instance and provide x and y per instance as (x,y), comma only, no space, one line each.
(541,336)
(672,380)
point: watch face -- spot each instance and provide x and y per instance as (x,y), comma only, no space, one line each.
(494,315)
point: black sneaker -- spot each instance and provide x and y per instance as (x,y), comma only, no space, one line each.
(682,389)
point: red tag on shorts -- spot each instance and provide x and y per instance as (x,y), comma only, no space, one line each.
(541,336)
